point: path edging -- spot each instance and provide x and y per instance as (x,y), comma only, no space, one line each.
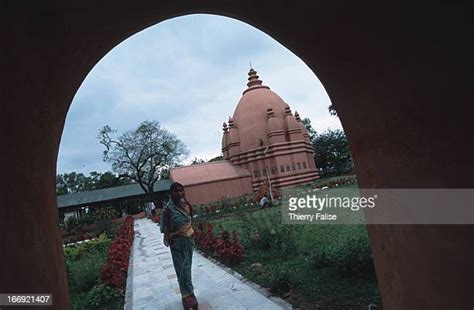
(128,305)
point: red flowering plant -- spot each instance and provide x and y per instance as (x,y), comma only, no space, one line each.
(114,272)
(206,240)
(228,249)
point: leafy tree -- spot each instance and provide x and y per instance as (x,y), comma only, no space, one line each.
(332,152)
(77,182)
(142,154)
(61,187)
(202,161)
(109,179)
(197,161)
(332,110)
(165,174)
(70,183)
(217,158)
(312,133)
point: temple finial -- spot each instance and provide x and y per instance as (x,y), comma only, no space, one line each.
(253,78)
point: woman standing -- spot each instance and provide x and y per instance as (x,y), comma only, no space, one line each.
(175,224)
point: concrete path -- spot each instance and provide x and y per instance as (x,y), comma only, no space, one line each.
(152,283)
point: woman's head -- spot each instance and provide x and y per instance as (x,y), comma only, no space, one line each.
(177,191)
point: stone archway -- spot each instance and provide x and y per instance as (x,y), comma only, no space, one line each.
(393,71)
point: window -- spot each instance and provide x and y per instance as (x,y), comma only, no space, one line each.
(304,165)
(298,165)
(282,168)
(288,168)
(293,167)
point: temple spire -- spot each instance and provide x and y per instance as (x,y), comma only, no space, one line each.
(253,78)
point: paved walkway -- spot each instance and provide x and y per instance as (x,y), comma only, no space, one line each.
(152,283)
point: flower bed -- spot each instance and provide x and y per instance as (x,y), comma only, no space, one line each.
(114,272)
(228,249)
(87,227)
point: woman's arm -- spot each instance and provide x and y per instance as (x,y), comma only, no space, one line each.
(164,226)
(163,219)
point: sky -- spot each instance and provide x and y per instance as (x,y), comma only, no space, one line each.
(188,73)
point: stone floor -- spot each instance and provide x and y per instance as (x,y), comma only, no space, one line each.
(152,283)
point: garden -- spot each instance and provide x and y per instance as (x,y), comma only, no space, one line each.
(97,269)
(310,266)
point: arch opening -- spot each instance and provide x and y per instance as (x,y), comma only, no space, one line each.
(207,66)
(380,66)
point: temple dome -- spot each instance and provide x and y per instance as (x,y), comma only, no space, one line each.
(250,115)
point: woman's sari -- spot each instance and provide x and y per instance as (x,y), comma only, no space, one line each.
(176,225)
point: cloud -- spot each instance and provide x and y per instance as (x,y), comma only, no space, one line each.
(188,73)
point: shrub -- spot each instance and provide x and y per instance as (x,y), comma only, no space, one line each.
(352,256)
(104,298)
(86,220)
(84,262)
(103,217)
(272,235)
(71,224)
(100,245)
(278,279)
(355,258)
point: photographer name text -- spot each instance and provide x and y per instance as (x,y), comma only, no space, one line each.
(312,217)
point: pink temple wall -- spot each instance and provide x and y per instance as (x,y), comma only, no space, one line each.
(216,190)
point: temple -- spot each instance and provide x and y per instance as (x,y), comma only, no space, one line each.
(262,143)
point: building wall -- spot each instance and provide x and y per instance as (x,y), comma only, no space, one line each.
(295,157)
(212,191)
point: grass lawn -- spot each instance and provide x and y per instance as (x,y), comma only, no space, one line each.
(311,266)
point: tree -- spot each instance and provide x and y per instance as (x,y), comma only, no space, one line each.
(77,182)
(217,158)
(197,161)
(331,150)
(142,154)
(108,179)
(311,132)
(70,183)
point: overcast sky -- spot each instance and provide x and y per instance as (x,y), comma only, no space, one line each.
(188,73)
